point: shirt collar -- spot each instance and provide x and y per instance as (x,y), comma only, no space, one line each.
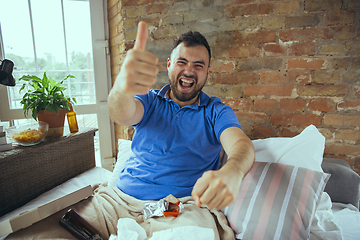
(202,99)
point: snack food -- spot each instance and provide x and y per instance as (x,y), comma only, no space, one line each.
(29,135)
(166,207)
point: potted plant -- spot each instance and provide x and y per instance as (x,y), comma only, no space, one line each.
(46,100)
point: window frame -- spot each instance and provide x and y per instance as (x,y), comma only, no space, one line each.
(102,75)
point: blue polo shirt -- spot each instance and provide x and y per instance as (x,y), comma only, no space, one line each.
(172,147)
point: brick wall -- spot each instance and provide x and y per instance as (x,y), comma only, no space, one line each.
(281,65)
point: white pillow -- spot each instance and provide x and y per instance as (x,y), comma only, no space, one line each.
(124,147)
(305,150)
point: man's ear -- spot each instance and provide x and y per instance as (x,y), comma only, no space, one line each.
(168,63)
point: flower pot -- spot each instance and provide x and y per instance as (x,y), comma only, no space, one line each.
(55,121)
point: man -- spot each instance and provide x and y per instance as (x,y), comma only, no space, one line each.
(179,130)
(176,147)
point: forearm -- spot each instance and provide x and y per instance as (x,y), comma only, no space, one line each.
(241,157)
(122,107)
(219,188)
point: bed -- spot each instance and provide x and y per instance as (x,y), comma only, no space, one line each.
(318,205)
(329,204)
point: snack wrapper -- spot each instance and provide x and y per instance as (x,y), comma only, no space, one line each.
(166,207)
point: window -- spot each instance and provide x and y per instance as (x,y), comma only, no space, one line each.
(60,37)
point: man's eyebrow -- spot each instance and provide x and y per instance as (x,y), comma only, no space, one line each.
(200,62)
(184,59)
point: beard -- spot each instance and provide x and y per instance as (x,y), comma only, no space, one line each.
(185,96)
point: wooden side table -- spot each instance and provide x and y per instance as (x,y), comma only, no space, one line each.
(27,172)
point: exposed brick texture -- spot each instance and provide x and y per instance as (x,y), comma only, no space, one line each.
(281,65)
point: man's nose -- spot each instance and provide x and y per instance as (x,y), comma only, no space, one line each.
(189,69)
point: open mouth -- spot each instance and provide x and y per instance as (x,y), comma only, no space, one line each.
(186,83)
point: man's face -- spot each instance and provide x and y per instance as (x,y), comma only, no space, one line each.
(188,68)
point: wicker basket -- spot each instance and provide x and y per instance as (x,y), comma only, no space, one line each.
(27,172)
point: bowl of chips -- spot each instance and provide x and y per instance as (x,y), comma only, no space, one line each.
(28,134)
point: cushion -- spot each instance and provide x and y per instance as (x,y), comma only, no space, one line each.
(124,150)
(343,185)
(276,201)
(304,150)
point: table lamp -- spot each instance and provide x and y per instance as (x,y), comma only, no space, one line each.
(6,69)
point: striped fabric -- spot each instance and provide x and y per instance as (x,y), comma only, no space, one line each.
(276,201)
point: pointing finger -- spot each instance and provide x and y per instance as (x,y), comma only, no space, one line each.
(141,36)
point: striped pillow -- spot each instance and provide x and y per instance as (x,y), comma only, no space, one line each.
(276,201)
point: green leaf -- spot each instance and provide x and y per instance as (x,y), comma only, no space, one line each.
(43,94)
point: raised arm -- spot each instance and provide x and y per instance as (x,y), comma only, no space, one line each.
(137,75)
(220,188)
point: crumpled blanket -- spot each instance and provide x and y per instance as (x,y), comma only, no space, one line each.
(323,225)
(108,204)
(129,229)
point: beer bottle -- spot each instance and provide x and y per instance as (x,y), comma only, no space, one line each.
(71,116)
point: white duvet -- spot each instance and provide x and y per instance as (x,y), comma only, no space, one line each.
(347,217)
(323,225)
(129,229)
(335,221)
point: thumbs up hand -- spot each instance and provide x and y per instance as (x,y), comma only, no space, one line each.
(141,37)
(139,68)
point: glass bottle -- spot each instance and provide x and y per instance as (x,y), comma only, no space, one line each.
(71,116)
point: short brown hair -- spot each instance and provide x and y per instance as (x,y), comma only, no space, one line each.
(192,39)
